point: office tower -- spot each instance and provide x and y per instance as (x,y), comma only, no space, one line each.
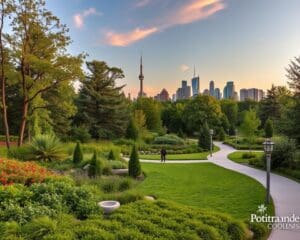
(174,98)
(195,86)
(217,93)
(252,93)
(184,92)
(229,90)
(141,78)
(206,92)
(211,88)
(163,96)
(243,94)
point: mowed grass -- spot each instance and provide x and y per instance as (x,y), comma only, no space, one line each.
(204,185)
(238,156)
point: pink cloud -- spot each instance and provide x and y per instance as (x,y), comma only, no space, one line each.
(142,3)
(78,18)
(125,39)
(192,11)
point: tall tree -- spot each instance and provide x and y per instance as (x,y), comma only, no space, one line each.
(293,74)
(6,7)
(249,126)
(101,104)
(38,41)
(230,109)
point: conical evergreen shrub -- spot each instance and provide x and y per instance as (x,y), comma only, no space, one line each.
(95,168)
(111,155)
(269,128)
(134,166)
(204,137)
(132,130)
(77,155)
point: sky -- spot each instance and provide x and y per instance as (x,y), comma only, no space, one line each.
(249,42)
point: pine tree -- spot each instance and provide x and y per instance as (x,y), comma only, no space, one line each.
(77,155)
(269,128)
(95,168)
(111,155)
(132,131)
(134,166)
(102,106)
(204,137)
(222,134)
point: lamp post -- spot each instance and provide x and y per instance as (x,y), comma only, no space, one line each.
(268,148)
(211,132)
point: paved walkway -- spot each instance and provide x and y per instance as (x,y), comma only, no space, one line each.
(285,192)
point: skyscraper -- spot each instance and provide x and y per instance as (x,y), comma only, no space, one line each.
(195,86)
(217,93)
(163,96)
(211,88)
(229,90)
(252,93)
(141,78)
(184,92)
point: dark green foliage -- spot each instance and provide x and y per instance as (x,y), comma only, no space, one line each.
(230,109)
(77,155)
(95,168)
(269,128)
(259,230)
(204,137)
(102,106)
(225,123)
(248,155)
(232,130)
(172,117)
(80,134)
(111,155)
(132,130)
(283,154)
(221,135)
(134,166)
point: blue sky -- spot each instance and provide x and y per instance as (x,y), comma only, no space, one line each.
(247,41)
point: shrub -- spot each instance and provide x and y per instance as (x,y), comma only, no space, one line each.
(169,139)
(77,155)
(283,154)
(95,168)
(248,155)
(12,171)
(106,170)
(259,230)
(269,128)
(46,148)
(20,153)
(221,135)
(204,137)
(111,155)
(125,184)
(134,166)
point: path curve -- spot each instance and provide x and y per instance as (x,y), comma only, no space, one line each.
(285,192)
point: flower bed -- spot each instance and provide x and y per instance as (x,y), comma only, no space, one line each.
(12,171)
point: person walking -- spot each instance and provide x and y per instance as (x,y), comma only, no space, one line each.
(163,154)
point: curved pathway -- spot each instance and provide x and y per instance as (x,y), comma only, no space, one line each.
(285,192)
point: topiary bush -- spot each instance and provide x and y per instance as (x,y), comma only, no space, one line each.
(111,155)
(204,137)
(77,155)
(95,168)
(169,139)
(269,128)
(134,166)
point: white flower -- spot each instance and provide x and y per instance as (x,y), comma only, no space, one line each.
(262,209)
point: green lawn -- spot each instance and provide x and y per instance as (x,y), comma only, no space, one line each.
(187,156)
(204,185)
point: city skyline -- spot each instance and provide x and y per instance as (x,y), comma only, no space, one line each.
(217,36)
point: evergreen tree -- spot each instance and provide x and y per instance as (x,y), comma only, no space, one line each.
(134,166)
(204,137)
(132,131)
(222,134)
(102,106)
(77,155)
(95,168)
(111,155)
(269,128)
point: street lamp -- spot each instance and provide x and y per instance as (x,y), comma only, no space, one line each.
(211,132)
(268,148)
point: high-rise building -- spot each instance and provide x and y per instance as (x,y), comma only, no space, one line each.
(184,92)
(206,92)
(211,88)
(163,96)
(217,93)
(229,90)
(141,78)
(195,86)
(252,93)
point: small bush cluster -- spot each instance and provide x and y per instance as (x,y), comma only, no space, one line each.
(248,155)
(139,220)
(284,154)
(169,139)
(12,171)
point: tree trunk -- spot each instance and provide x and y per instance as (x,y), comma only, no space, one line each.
(2,78)
(23,123)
